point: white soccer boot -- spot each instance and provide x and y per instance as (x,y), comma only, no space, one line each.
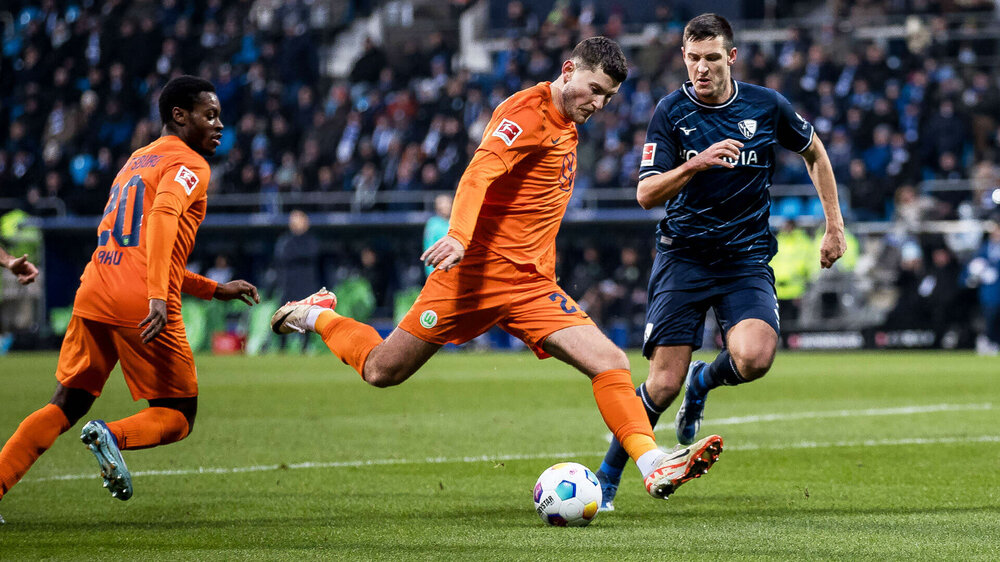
(292,317)
(679,466)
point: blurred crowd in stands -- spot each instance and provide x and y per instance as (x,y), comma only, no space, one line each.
(79,79)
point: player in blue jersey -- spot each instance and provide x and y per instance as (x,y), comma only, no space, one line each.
(709,157)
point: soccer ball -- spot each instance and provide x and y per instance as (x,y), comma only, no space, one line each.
(567,494)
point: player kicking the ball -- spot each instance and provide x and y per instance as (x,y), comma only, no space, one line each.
(128,307)
(709,157)
(496,266)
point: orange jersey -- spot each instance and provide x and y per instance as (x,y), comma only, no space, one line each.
(162,187)
(522,174)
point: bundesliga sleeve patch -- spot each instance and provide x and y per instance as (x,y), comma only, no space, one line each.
(186,178)
(508,131)
(648,154)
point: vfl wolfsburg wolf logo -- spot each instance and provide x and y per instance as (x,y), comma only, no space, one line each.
(428,318)
(748,127)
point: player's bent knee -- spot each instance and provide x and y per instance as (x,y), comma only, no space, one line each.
(612,357)
(754,365)
(74,402)
(381,377)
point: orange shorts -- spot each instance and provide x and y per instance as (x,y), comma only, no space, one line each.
(486,290)
(163,368)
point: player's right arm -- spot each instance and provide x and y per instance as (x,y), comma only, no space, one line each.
(482,171)
(514,132)
(656,190)
(661,177)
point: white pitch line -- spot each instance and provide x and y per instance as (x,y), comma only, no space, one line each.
(905,410)
(532,456)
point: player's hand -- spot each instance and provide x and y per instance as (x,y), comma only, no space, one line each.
(724,153)
(443,254)
(831,248)
(25,271)
(237,289)
(155,322)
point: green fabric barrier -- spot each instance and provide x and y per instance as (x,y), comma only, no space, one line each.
(260,338)
(59,319)
(355,298)
(194,314)
(403,302)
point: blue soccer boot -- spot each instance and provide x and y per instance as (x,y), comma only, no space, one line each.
(99,439)
(692,410)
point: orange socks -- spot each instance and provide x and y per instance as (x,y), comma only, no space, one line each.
(33,437)
(623,412)
(149,428)
(347,338)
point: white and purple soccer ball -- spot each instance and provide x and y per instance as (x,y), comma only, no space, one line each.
(567,495)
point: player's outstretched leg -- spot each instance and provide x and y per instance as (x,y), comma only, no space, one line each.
(682,465)
(99,439)
(692,410)
(398,356)
(347,338)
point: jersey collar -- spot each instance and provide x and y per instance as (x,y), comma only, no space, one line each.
(688,88)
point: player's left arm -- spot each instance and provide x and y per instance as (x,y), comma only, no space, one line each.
(182,183)
(206,289)
(25,271)
(821,172)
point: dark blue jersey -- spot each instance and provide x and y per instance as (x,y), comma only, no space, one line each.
(721,216)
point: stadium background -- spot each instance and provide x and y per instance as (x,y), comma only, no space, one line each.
(360,113)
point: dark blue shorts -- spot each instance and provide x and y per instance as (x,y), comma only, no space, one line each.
(681,292)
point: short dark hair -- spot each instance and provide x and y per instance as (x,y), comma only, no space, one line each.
(707,26)
(601,53)
(181,92)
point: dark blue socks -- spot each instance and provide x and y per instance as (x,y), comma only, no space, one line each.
(722,371)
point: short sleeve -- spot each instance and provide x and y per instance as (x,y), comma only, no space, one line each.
(659,152)
(792,130)
(514,134)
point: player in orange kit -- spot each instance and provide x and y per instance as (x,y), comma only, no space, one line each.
(496,266)
(128,306)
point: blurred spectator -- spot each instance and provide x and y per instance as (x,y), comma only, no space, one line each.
(584,282)
(437,226)
(627,294)
(221,271)
(296,259)
(379,274)
(912,209)
(792,267)
(868,195)
(983,274)
(370,65)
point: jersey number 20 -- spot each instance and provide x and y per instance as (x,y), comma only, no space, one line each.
(135,189)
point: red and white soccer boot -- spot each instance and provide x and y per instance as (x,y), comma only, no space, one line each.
(679,466)
(292,317)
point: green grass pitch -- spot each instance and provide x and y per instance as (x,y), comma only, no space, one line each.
(887,456)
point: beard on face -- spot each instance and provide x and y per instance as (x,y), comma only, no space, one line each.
(574,112)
